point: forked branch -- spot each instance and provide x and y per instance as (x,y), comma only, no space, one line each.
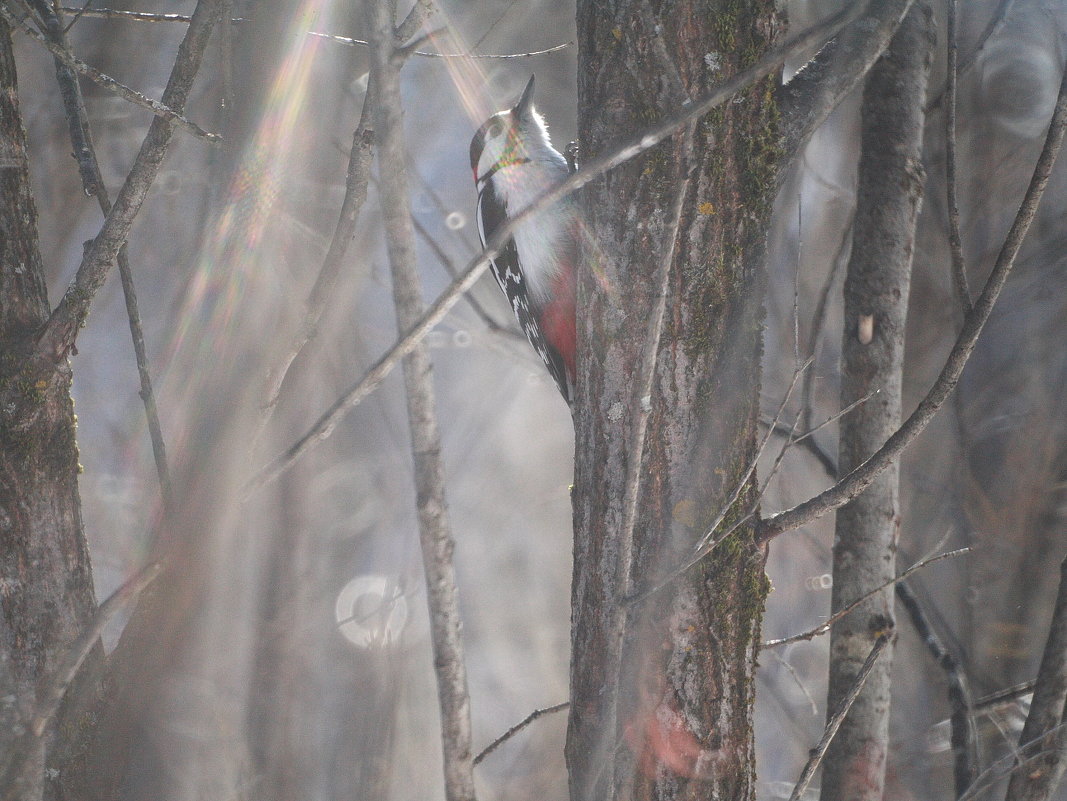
(860,478)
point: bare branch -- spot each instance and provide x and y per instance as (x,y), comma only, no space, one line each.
(323,427)
(359,165)
(824,627)
(816,90)
(413,22)
(818,323)
(347,40)
(836,416)
(162,110)
(522,724)
(1009,765)
(796,680)
(708,542)
(834,723)
(144,16)
(992,28)
(435,535)
(135,16)
(964,730)
(1002,696)
(1046,711)
(959,264)
(62,328)
(860,478)
(450,268)
(93,183)
(17,765)
(825,460)
(73,105)
(51,692)
(77,16)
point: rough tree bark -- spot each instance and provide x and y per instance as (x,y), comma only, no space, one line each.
(46,583)
(668,398)
(876,301)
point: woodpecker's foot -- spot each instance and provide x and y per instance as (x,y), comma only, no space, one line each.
(571,154)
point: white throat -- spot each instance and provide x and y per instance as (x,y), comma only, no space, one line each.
(543,239)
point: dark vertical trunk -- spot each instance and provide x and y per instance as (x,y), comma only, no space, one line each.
(662,690)
(46,583)
(876,304)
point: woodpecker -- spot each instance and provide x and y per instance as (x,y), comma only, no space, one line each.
(514,163)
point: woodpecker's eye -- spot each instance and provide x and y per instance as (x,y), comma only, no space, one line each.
(495,130)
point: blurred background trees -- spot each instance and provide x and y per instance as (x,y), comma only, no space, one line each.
(285,651)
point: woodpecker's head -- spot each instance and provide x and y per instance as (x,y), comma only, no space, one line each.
(515,136)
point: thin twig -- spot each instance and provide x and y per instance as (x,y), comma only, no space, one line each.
(796,679)
(818,324)
(959,264)
(496,22)
(51,692)
(347,40)
(413,22)
(987,702)
(634,146)
(824,627)
(828,463)
(796,283)
(834,723)
(93,182)
(134,16)
(838,415)
(77,15)
(807,438)
(435,536)
(66,320)
(964,730)
(450,268)
(144,16)
(743,481)
(1046,710)
(861,477)
(1008,765)
(506,331)
(992,28)
(17,763)
(522,724)
(708,541)
(73,104)
(359,167)
(775,426)
(817,89)
(162,110)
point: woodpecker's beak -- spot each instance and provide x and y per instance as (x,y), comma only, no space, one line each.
(526,101)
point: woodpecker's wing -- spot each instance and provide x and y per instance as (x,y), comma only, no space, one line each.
(508,273)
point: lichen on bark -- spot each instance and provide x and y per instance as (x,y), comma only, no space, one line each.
(674,718)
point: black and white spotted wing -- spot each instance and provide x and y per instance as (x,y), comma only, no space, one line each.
(508,274)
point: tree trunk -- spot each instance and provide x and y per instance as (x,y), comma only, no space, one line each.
(46,583)
(876,304)
(667,406)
